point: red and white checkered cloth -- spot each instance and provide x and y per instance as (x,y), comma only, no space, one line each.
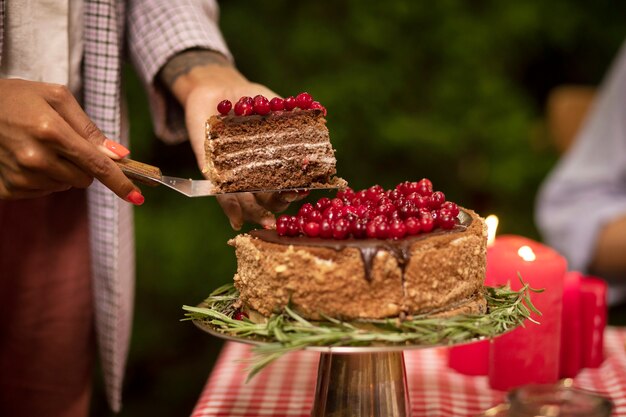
(287,387)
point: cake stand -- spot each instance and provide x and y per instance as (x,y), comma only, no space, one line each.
(355,381)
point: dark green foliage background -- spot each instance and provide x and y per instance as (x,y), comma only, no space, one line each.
(451,90)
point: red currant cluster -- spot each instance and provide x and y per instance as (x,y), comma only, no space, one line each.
(409,209)
(260,105)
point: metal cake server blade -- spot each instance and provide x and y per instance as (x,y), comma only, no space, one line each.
(152,176)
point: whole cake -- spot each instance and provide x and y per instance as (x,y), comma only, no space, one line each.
(369,254)
(269,145)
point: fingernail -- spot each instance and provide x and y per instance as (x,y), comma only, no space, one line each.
(135,197)
(234,226)
(290,198)
(117,148)
(268,222)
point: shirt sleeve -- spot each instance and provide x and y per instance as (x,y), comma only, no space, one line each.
(587,188)
(160,29)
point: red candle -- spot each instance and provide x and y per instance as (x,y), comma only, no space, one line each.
(471,359)
(528,354)
(593,317)
(571,329)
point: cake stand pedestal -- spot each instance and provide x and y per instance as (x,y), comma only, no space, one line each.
(361,384)
(355,381)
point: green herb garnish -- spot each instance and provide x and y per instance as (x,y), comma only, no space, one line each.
(288,331)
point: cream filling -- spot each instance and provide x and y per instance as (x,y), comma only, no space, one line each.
(234,171)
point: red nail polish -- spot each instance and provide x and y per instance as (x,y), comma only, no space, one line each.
(116,148)
(135,197)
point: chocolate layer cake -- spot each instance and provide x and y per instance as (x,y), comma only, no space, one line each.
(437,273)
(278,150)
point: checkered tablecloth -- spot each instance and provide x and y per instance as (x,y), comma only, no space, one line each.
(286,388)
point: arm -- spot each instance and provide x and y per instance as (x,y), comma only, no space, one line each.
(192,65)
(609,258)
(582,204)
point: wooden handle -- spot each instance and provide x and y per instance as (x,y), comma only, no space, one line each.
(138,171)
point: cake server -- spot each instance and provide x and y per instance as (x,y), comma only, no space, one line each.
(152,176)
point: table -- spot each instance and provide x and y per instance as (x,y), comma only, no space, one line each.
(286,388)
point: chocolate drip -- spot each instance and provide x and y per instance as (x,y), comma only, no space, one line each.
(368,248)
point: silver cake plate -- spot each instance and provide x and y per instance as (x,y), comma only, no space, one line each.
(356,381)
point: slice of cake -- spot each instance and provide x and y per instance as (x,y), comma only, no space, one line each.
(371,254)
(269,145)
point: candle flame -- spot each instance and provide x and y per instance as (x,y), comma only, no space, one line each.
(526,253)
(492,225)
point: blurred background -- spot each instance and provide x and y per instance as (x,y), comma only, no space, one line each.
(452,90)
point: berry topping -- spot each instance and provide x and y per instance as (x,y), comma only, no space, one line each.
(312,229)
(261,105)
(317,106)
(243,108)
(408,209)
(224,107)
(290,103)
(240,315)
(304,100)
(277,104)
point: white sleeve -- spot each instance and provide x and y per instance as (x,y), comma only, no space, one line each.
(587,189)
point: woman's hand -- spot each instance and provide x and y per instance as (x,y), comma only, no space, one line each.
(200,88)
(49,144)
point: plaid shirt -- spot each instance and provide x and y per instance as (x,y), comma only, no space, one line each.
(153,31)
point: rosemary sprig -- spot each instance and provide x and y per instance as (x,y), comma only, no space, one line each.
(288,331)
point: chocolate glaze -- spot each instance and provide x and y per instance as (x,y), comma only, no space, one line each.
(368,248)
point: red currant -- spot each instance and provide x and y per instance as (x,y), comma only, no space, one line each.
(326,229)
(243,108)
(370,229)
(382,230)
(446,222)
(425,187)
(341,229)
(332,213)
(224,107)
(247,99)
(315,216)
(397,229)
(358,228)
(413,226)
(305,209)
(374,193)
(304,100)
(454,209)
(281,228)
(301,222)
(317,106)
(240,315)
(437,199)
(312,229)
(412,187)
(293,229)
(277,104)
(322,203)
(427,223)
(336,202)
(290,103)
(261,105)
(385,209)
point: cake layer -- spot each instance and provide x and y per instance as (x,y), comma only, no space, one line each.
(434,273)
(303,153)
(280,150)
(275,175)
